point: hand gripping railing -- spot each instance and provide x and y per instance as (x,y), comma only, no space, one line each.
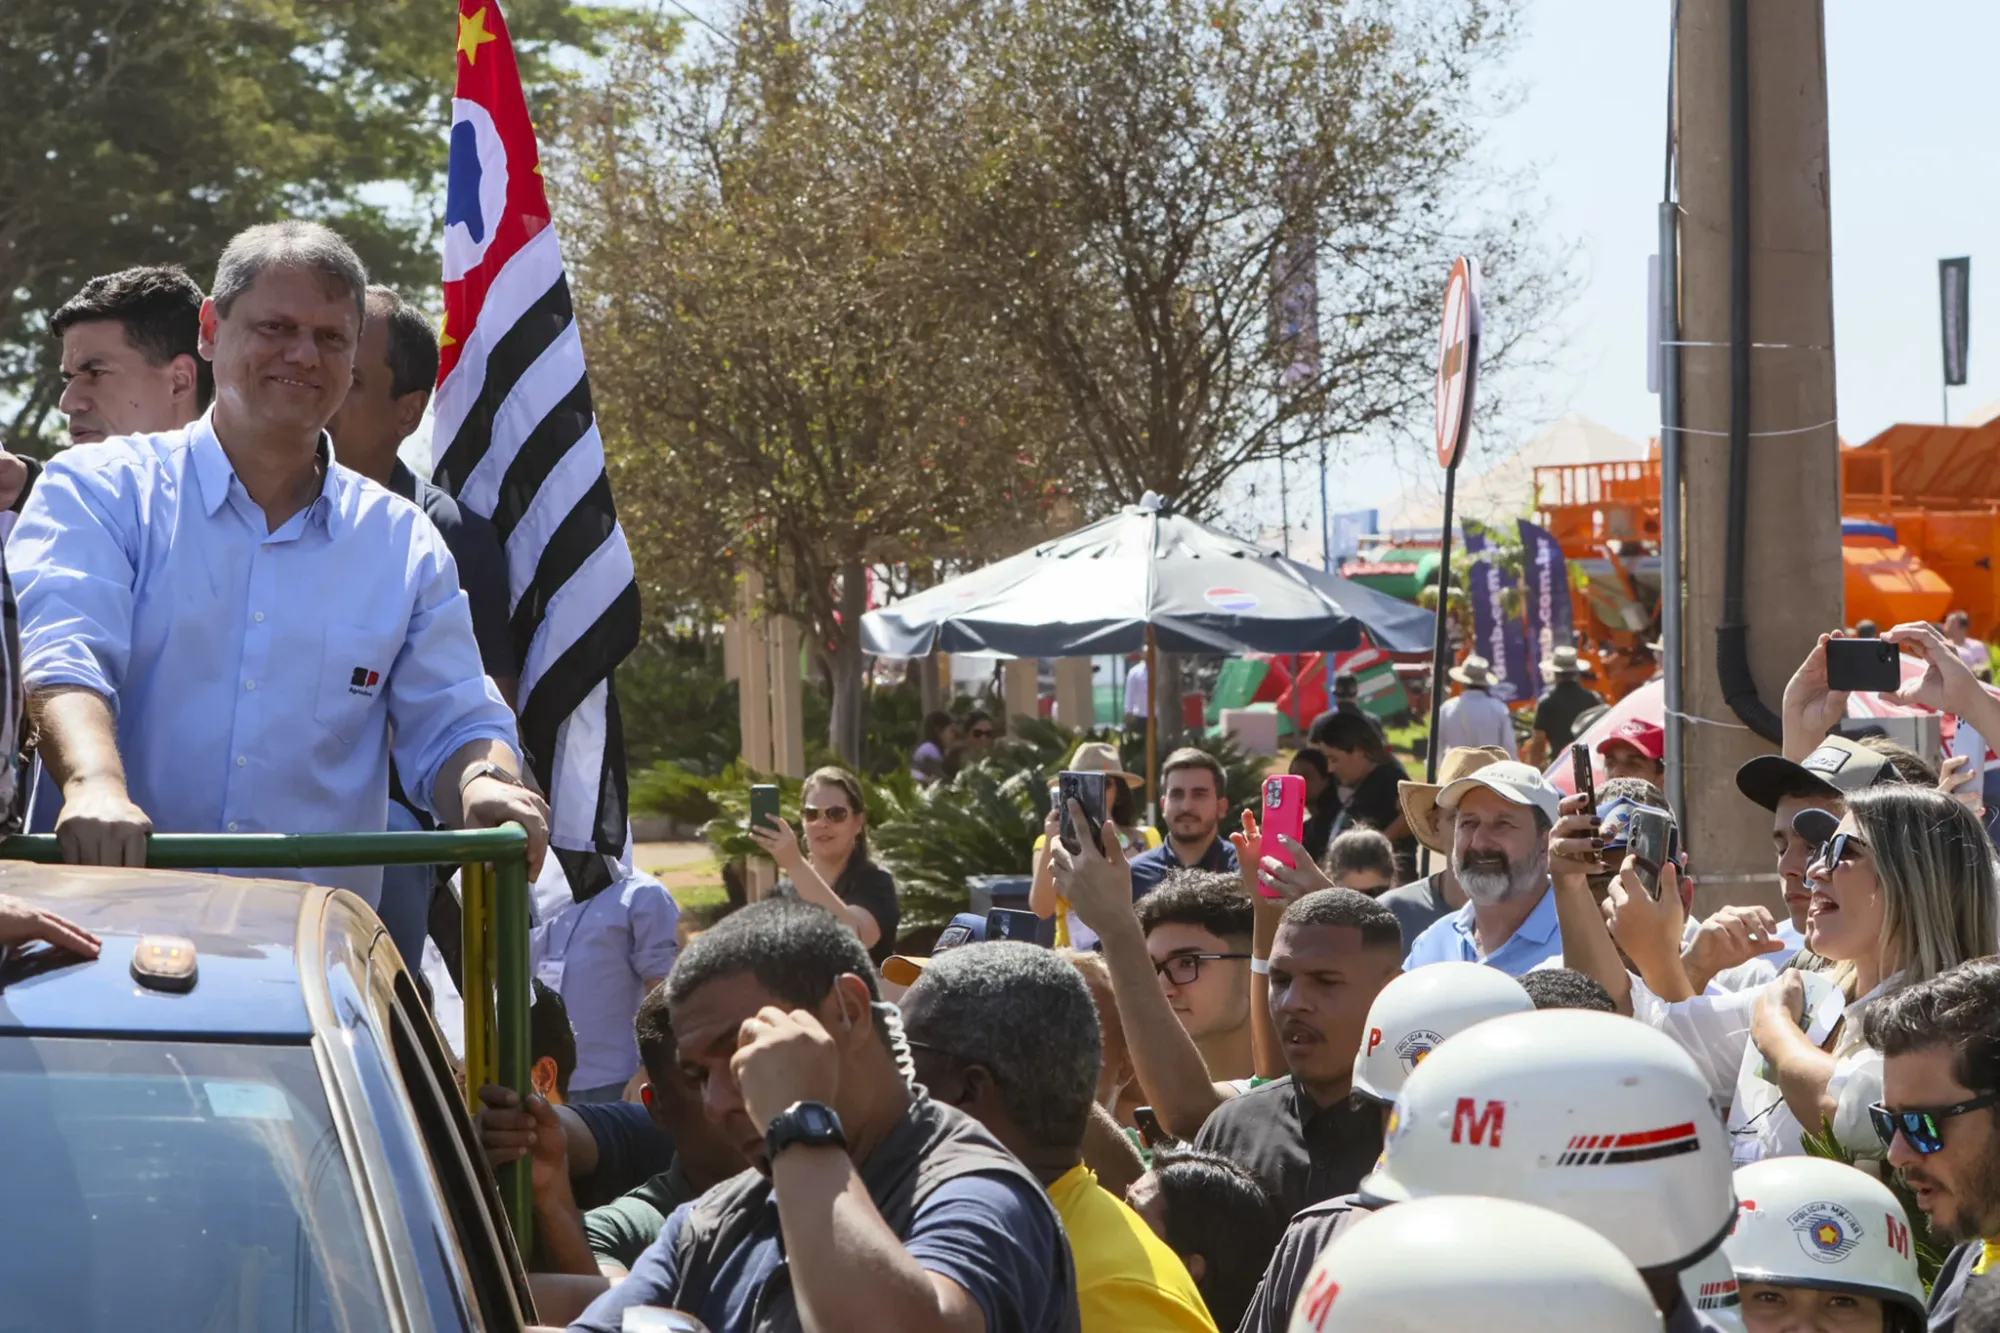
(493,887)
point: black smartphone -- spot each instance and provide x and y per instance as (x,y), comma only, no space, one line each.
(1651,838)
(1150,1132)
(764,806)
(1011,923)
(1863,664)
(1087,790)
(1581,776)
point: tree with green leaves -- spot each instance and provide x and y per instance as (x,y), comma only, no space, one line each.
(1223,229)
(151,133)
(796,371)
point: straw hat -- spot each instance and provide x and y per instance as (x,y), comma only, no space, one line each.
(1474,670)
(1562,662)
(1100,757)
(1419,799)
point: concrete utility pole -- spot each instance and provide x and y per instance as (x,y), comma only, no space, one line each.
(1792,573)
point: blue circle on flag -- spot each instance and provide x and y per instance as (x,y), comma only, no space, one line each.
(475,197)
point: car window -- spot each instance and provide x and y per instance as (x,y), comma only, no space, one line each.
(474,1204)
(176,1185)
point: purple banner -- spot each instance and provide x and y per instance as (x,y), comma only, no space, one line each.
(1496,636)
(1547,607)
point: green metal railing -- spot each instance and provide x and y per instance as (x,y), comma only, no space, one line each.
(493,887)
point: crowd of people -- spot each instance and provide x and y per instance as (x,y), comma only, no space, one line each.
(1236,1094)
(1259,1083)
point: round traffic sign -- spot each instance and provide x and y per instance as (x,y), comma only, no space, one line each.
(1458,359)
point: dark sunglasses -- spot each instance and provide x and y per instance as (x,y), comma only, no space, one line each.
(1184,969)
(982,733)
(1839,850)
(1924,1128)
(832,814)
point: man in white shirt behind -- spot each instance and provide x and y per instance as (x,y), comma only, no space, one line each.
(1475,717)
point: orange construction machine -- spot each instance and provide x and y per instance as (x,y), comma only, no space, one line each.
(1920,527)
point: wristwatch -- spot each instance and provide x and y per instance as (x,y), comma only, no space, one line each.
(486,768)
(811,1123)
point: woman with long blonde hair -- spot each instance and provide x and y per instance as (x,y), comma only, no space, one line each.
(1903,887)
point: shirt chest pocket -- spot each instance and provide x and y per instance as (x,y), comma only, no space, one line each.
(353,681)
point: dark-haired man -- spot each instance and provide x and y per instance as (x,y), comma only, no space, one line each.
(1007,1033)
(585,1249)
(1201,912)
(1197,926)
(1940,1044)
(871,1205)
(1302,1135)
(395,364)
(223,630)
(1193,800)
(131,363)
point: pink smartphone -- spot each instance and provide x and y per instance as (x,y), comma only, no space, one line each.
(1284,812)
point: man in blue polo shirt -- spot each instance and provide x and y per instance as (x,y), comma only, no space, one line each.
(1193,803)
(1501,817)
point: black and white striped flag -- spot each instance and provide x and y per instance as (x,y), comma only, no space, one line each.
(515,439)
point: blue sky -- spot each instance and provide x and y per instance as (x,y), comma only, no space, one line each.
(1915,177)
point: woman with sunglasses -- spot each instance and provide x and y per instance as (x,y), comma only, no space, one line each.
(1903,888)
(834,869)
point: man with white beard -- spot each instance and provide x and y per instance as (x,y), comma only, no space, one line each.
(1501,817)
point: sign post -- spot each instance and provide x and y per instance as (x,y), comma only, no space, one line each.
(1457,377)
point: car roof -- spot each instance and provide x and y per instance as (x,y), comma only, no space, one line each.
(245,933)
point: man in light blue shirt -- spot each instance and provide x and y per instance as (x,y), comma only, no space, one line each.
(225,631)
(1501,817)
(603,955)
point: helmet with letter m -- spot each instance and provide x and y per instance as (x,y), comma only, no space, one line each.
(1512,1268)
(1819,1230)
(1591,1115)
(1414,1013)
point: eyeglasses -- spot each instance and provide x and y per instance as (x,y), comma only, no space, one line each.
(1184,969)
(1839,850)
(1923,1128)
(832,814)
(982,733)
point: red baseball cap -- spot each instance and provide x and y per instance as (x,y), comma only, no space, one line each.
(1648,738)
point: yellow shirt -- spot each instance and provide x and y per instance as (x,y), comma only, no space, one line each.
(1126,1277)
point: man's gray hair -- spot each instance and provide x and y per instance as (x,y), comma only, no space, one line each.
(1024,1014)
(292,244)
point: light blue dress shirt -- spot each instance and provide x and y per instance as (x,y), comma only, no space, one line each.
(597,954)
(1450,940)
(260,679)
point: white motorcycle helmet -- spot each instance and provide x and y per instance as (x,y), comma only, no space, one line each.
(1467,1263)
(1592,1115)
(1709,1287)
(1418,1010)
(1810,1222)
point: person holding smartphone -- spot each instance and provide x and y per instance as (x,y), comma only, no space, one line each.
(833,869)
(1120,791)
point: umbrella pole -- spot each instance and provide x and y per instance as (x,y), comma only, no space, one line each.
(1152,726)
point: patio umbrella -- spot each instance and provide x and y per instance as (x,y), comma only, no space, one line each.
(1142,578)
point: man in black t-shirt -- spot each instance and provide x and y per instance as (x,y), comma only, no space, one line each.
(395,364)
(1559,707)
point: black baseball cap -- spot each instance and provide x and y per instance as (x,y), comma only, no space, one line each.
(1837,768)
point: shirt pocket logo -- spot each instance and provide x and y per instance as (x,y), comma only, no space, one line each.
(353,662)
